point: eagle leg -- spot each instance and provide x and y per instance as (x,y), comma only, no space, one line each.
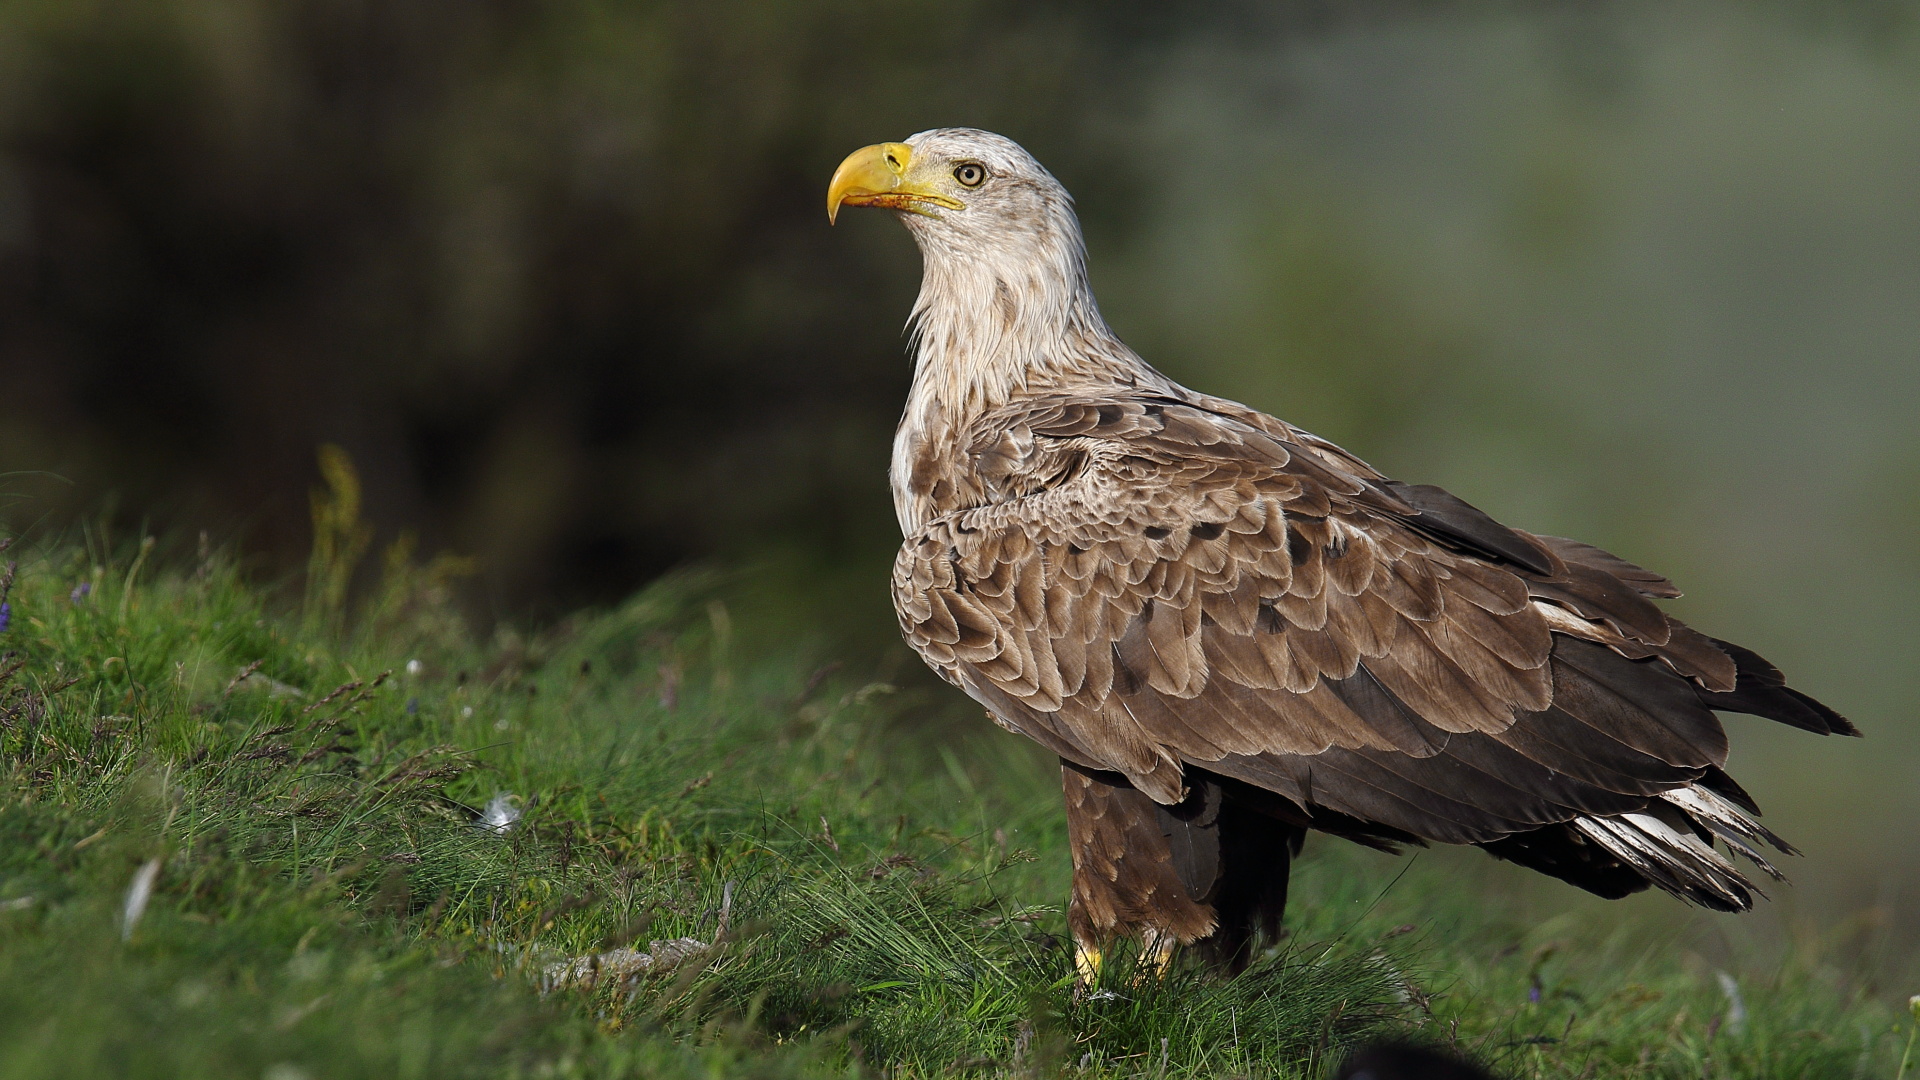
(1207,872)
(1249,894)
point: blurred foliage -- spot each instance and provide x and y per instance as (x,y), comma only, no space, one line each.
(340,538)
(553,273)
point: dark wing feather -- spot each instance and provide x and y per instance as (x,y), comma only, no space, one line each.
(1646,581)
(1446,517)
(1763,691)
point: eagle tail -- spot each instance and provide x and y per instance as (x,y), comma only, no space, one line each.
(1671,844)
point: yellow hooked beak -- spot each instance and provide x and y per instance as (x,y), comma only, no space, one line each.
(877,176)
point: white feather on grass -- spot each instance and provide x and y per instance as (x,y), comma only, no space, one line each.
(138,893)
(1736,1005)
(500,814)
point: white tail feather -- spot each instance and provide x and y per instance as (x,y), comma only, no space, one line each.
(1677,860)
(1731,824)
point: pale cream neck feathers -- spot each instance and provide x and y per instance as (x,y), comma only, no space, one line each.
(1005,308)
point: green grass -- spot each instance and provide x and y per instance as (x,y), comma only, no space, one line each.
(877,872)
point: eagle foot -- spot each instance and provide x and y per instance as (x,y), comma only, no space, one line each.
(1156,958)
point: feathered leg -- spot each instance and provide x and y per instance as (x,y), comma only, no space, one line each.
(1132,861)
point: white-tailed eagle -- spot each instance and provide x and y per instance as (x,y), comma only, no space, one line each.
(1232,631)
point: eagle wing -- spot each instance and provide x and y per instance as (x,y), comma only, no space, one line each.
(1146,584)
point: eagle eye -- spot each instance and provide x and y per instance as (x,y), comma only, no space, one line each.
(970,174)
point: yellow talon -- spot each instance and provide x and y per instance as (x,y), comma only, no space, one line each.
(1086,963)
(1160,951)
(1157,952)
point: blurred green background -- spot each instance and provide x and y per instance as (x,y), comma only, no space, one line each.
(557,276)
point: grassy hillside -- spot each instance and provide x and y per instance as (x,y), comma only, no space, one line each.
(377,847)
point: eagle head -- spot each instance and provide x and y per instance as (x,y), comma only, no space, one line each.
(968,196)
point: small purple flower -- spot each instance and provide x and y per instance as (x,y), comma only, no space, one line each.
(6,617)
(80,591)
(1533,993)
(413,703)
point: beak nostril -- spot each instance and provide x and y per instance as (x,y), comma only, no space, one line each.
(877,176)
